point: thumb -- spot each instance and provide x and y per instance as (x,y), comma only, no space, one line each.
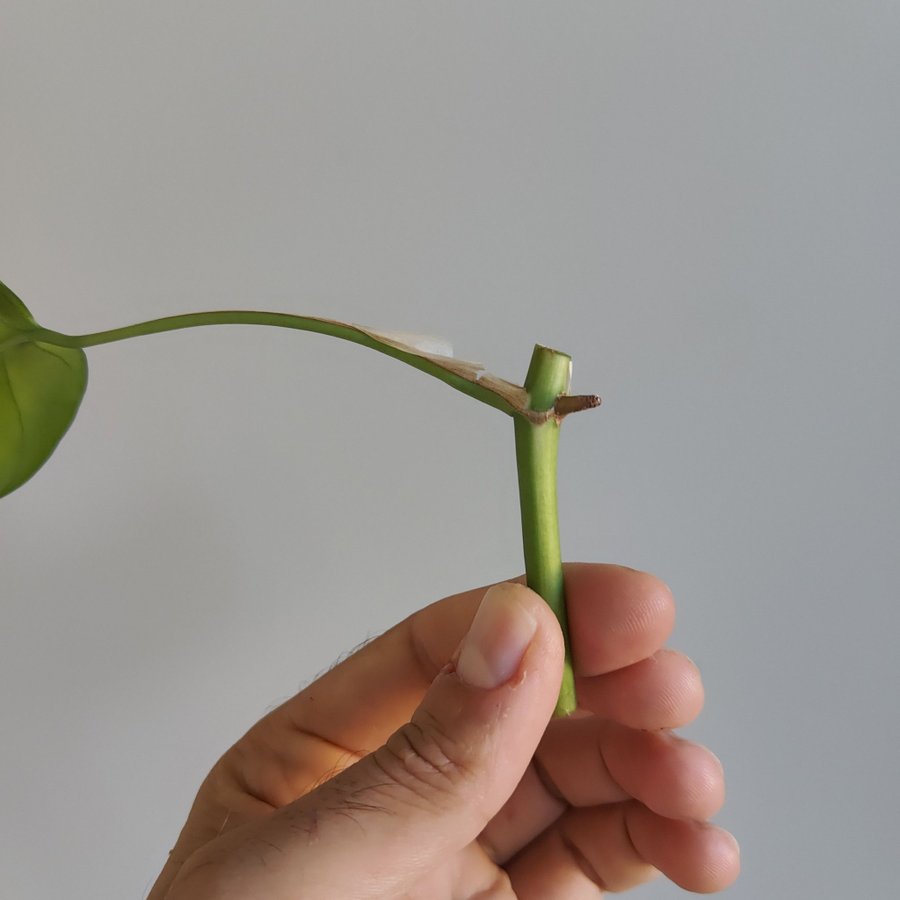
(401,812)
(438,780)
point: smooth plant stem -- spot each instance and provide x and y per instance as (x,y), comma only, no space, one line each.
(280,320)
(536,459)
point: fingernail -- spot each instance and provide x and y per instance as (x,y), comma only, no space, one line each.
(500,633)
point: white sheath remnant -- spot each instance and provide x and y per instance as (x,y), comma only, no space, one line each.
(431,344)
(440,352)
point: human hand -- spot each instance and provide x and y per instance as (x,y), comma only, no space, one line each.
(418,770)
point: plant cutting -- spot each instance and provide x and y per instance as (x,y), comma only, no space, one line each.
(43,378)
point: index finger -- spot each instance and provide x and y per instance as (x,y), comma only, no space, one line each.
(359,703)
(617,616)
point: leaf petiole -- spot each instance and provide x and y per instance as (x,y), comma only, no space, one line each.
(469,378)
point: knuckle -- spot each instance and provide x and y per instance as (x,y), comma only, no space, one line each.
(423,761)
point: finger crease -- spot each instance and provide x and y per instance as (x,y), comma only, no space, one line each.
(335,747)
(424,663)
(582,861)
(273,793)
(606,768)
(547,782)
(626,830)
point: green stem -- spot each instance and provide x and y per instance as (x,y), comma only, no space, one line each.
(536,458)
(280,320)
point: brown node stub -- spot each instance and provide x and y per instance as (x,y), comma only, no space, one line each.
(566,404)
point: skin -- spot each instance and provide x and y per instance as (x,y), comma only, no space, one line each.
(392,777)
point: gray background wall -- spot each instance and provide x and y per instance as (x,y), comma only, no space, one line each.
(698,200)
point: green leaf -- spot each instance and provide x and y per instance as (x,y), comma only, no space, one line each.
(41,386)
